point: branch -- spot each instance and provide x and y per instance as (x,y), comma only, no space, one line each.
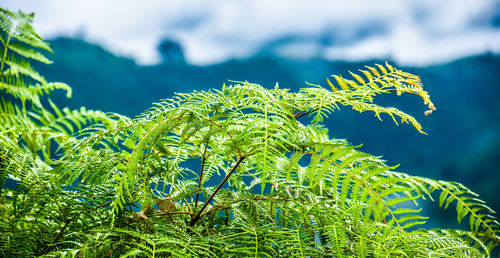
(198,215)
(59,234)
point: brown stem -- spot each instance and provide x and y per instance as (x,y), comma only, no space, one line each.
(59,234)
(198,215)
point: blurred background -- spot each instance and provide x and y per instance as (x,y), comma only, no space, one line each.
(123,55)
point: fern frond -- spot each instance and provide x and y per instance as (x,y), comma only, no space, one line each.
(359,93)
(22,66)
(11,118)
(13,162)
(26,52)
(481,217)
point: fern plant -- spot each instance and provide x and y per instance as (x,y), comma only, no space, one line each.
(34,132)
(244,171)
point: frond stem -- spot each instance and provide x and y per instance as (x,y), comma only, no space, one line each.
(7,46)
(303,113)
(201,174)
(224,205)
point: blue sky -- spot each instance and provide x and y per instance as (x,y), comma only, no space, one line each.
(412,32)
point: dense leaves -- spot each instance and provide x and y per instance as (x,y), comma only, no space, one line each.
(232,172)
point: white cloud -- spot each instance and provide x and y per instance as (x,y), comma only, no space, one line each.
(414,32)
(418,49)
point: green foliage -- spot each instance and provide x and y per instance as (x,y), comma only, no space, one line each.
(235,172)
(36,128)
